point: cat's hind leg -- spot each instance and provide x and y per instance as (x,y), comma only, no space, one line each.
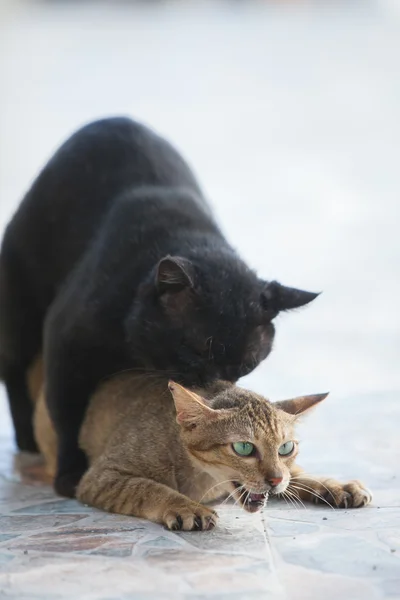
(111,488)
(327,491)
(20,340)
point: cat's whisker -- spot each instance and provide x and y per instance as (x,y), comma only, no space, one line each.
(231,494)
(283,496)
(316,495)
(242,491)
(312,493)
(306,477)
(296,497)
(214,486)
(293,500)
(296,500)
(241,496)
(286,495)
(302,477)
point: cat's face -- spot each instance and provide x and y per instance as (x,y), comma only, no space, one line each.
(242,440)
(201,326)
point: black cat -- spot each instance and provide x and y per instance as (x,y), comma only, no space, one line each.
(113,261)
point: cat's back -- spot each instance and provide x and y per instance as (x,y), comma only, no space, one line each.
(124,408)
(100,161)
(91,169)
(72,196)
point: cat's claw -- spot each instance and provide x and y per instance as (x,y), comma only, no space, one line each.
(347,495)
(200,518)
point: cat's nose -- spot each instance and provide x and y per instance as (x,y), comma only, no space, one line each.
(274,481)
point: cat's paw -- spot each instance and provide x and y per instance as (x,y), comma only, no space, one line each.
(66,484)
(193,517)
(343,495)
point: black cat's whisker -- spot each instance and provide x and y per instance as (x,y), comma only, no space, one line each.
(209,344)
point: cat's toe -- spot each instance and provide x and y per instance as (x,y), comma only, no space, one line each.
(342,499)
(199,519)
(348,495)
(203,519)
(176,523)
(208,521)
(359,495)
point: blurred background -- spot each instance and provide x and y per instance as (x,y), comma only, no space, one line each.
(289,113)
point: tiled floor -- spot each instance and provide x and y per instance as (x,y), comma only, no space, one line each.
(291,120)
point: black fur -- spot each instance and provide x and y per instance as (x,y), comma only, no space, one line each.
(113,261)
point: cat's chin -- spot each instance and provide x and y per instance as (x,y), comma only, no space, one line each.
(250,501)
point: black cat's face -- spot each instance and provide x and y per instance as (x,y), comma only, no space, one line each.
(201,326)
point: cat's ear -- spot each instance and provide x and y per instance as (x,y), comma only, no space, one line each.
(300,405)
(276,297)
(190,407)
(174,273)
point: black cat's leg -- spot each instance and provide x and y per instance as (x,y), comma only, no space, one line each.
(67,403)
(21,408)
(68,388)
(20,340)
(75,361)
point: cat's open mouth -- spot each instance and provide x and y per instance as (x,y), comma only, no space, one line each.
(251,501)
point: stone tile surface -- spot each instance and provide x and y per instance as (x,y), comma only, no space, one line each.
(291,120)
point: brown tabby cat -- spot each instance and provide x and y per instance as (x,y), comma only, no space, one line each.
(163,455)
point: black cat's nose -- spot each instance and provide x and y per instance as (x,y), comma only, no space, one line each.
(274,481)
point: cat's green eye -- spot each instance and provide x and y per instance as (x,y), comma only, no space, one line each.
(286,449)
(243,448)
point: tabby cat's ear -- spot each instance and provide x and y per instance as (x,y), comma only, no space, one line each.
(190,407)
(174,273)
(276,297)
(298,406)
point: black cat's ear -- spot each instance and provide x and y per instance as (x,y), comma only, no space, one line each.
(174,274)
(276,297)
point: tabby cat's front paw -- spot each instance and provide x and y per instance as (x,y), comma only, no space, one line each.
(193,517)
(343,495)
